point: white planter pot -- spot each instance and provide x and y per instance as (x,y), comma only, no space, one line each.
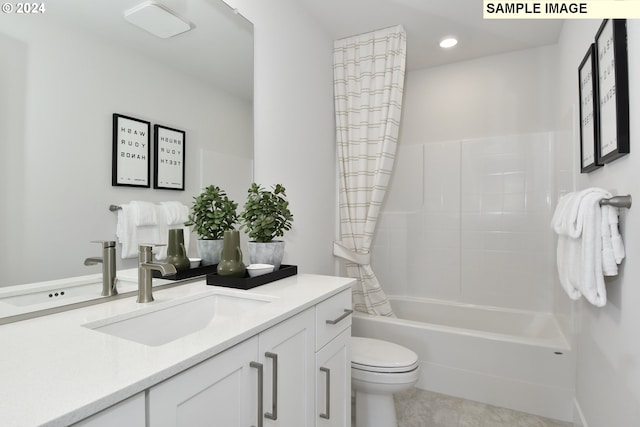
(209,251)
(267,253)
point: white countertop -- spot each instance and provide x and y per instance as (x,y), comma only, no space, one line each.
(55,372)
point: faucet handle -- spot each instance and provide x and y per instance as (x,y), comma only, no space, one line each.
(105,243)
(147,247)
(144,251)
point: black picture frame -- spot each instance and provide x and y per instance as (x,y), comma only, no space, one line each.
(131,156)
(589,132)
(612,89)
(169,154)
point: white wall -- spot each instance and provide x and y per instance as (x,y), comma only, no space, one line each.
(56,130)
(467,215)
(294,124)
(608,348)
(506,94)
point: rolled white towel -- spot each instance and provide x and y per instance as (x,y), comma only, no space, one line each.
(609,264)
(175,212)
(616,238)
(565,212)
(126,232)
(144,213)
(591,280)
(585,244)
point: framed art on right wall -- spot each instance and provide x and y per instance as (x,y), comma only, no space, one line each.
(588,112)
(613,90)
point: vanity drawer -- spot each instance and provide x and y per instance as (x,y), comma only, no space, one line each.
(333,316)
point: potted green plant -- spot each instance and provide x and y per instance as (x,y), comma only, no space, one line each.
(212,213)
(265,216)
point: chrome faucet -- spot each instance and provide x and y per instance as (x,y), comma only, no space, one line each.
(145,265)
(108,261)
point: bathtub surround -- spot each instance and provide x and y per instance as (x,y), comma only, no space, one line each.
(368,83)
(459,212)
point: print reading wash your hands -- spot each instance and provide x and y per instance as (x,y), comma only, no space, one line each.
(133,152)
(133,143)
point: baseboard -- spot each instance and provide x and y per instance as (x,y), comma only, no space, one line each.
(578,416)
(545,401)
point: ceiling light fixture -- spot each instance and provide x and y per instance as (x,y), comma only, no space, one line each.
(157,20)
(448,42)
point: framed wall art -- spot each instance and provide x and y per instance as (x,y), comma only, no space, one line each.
(612,90)
(169,153)
(587,88)
(131,158)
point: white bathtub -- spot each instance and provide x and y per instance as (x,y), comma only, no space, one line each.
(509,358)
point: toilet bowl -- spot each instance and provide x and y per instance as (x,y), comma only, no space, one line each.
(378,370)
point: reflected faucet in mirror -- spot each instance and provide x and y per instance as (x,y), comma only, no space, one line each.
(145,265)
(108,261)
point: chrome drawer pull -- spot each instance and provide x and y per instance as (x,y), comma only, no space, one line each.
(327,405)
(346,313)
(258,366)
(273,415)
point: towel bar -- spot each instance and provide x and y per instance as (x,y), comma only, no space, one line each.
(617,201)
(114,208)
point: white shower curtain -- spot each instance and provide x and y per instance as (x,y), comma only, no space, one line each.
(368,83)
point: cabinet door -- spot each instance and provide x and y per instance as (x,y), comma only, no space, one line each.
(221,391)
(333,382)
(128,413)
(287,352)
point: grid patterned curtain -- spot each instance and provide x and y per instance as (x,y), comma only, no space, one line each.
(368,83)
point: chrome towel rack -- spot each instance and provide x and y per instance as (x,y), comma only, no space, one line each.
(114,208)
(617,201)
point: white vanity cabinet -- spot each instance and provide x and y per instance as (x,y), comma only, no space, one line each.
(217,392)
(333,361)
(224,390)
(287,355)
(278,378)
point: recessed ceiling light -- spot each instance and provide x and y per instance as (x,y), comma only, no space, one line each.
(448,42)
(156,19)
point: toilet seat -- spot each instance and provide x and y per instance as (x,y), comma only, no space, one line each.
(368,354)
(378,370)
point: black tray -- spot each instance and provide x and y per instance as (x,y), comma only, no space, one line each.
(247,282)
(187,274)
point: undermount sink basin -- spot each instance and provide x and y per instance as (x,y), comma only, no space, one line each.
(161,324)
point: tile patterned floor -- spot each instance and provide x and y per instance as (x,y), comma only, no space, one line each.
(420,408)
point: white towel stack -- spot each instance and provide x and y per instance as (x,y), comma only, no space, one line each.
(589,244)
(145,222)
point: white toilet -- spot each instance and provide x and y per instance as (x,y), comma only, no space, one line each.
(379,369)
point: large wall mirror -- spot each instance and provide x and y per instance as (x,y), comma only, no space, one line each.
(63,74)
